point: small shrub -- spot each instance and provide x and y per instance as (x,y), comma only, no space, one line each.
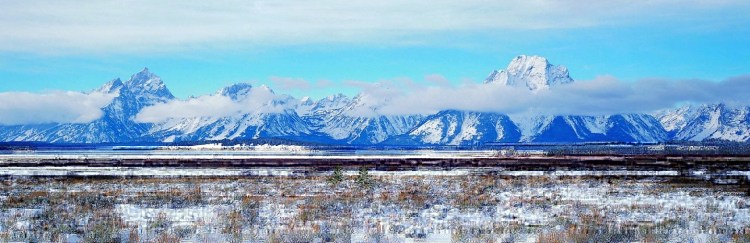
(363,178)
(337,176)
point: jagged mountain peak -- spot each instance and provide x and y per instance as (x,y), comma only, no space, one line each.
(306,100)
(336,100)
(336,96)
(142,77)
(358,119)
(526,60)
(236,91)
(111,87)
(148,88)
(147,82)
(534,72)
(331,102)
(266,88)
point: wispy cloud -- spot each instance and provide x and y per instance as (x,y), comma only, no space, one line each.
(257,100)
(17,108)
(141,25)
(601,96)
(437,80)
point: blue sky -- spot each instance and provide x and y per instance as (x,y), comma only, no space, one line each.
(197,48)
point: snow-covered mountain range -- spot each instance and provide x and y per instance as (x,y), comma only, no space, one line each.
(338,119)
(710,121)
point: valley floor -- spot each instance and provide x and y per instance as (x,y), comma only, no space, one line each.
(361,205)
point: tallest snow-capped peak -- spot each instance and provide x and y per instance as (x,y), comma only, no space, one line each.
(534,72)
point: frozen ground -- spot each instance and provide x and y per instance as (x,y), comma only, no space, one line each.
(85,171)
(225,154)
(411,206)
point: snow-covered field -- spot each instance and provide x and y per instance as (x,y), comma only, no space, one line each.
(408,206)
(83,171)
(240,147)
(220,152)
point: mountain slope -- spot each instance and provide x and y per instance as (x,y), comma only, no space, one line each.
(249,112)
(116,124)
(537,73)
(614,128)
(356,121)
(272,118)
(452,127)
(317,113)
(699,123)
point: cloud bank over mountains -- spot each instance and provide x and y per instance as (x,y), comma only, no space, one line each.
(601,96)
(18,108)
(541,95)
(222,104)
(531,100)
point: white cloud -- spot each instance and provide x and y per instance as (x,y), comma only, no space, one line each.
(203,106)
(437,79)
(257,100)
(51,107)
(142,25)
(601,96)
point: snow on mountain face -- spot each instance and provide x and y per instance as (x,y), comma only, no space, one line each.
(453,127)
(561,128)
(116,124)
(533,72)
(368,130)
(531,125)
(322,107)
(698,123)
(338,119)
(635,128)
(111,87)
(141,90)
(269,115)
(619,128)
(148,88)
(318,113)
(536,73)
(236,91)
(246,126)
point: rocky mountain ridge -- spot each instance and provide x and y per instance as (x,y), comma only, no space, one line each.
(335,119)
